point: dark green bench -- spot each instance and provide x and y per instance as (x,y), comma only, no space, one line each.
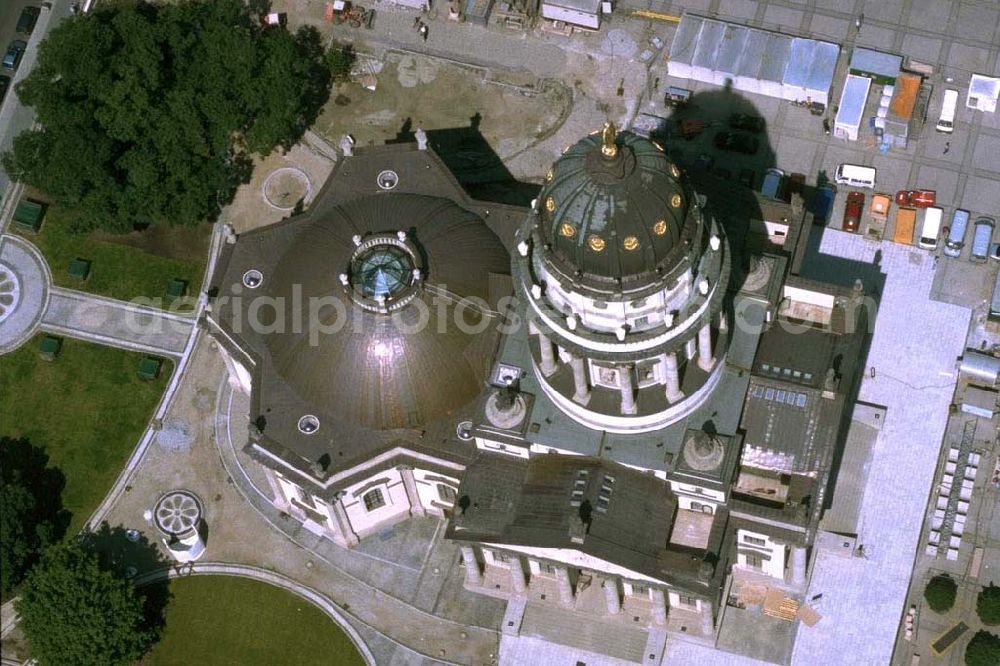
(79,269)
(49,347)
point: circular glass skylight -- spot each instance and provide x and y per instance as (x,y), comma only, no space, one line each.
(308,424)
(382,271)
(252,278)
(388,179)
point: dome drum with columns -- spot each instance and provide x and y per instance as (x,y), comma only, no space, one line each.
(624,278)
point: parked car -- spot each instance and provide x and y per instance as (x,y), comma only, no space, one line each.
(747,123)
(29,17)
(822,203)
(916,198)
(774,184)
(852,211)
(982,240)
(15,51)
(880,206)
(4,85)
(995,251)
(737,143)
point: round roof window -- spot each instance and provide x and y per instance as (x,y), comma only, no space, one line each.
(388,179)
(308,424)
(252,278)
(382,271)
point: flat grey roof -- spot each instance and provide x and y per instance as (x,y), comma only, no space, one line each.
(876,62)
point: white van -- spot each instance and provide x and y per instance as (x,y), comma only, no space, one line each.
(856,175)
(946,123)
(931,229)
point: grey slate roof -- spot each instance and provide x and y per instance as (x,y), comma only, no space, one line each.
(531,503)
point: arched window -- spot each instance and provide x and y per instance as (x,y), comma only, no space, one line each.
(374,499)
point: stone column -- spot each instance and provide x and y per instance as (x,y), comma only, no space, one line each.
(346,534)
(690,348)
(473,576)
(659,606)
(412,496)
(517,575)
(548,354)
(628,392)
(798,565)
(581,392)
(279,501)
(674,393)
(565,588)
(705,359)
(611,596)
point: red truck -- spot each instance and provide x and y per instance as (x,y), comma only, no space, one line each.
(916,198)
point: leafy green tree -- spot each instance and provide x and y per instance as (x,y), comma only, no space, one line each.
(74,612)
(31,513)
(339,60)
(940,593)
(148,114)
(988,604)
(983,650)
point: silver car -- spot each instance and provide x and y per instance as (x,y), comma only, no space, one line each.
(982,238)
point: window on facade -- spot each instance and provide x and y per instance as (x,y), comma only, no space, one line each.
(780,396)
(754,561)
(769,393)
(640,590)
(374,499)
(754,541)
(685,600)
(500,557)
(546,568)
(446,493)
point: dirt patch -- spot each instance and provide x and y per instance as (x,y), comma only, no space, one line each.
(511,112)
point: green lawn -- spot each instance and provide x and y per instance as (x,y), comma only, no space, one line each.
(221,620)
(87,409)
(124,266)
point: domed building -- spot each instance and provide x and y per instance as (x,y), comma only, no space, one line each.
(365,327)
(649,423)
(624,276)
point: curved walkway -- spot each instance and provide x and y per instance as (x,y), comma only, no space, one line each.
(400,622)
(271,578)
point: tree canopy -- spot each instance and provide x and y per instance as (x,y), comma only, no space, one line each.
(983,650)
(73,611)
(988,604)
(31,513)
(940,593)
(148,113)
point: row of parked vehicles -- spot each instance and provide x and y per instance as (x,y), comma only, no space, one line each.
(909,203)
(15,50)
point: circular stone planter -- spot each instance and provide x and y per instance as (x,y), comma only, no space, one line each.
(177,513)
(285,187)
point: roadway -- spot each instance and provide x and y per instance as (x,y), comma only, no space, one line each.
(14,116)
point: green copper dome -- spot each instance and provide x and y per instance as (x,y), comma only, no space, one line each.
(614,207)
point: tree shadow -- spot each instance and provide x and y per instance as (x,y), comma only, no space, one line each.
(39,518)
(309,42)
(474,163)
(130,553)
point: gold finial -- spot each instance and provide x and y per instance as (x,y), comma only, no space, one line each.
(610,148)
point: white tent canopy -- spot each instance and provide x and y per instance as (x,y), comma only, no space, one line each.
(983,93)
(756,61)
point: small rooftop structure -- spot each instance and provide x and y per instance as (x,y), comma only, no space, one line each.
(984,91)
(975,366)
(583,13)
(980,402)
(852,107)
(882,68)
